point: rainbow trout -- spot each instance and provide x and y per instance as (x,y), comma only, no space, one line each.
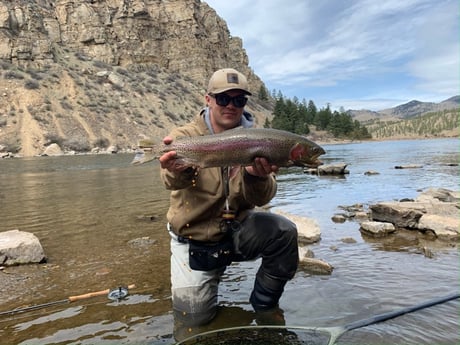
(237,146)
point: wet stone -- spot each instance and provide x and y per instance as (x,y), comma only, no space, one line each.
(20,247)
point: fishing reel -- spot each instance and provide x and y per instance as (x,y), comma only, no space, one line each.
(118,294)
(229,224)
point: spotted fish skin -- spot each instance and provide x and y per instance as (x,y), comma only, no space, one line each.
(237,146)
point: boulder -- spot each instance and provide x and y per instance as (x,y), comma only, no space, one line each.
(400,214)
(112,149)
(116,80)
(53,150)
(331,169)
(440,194)
(435,210)
(307,229)
(20,247)
(377,229)
(309,264)
(446,228)
(338,218)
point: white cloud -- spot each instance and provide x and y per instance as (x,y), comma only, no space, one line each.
(437,60)
(326,43)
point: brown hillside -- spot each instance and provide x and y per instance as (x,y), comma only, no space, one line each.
(90,74)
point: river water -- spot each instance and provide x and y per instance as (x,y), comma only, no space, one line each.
(86,210)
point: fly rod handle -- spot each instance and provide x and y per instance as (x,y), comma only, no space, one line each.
(94,294)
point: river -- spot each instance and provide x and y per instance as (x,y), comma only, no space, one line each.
(87,209)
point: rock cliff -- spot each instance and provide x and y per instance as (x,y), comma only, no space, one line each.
(87,74)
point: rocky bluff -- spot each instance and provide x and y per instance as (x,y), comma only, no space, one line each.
(87,74)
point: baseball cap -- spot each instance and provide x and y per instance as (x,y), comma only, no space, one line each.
(227,79)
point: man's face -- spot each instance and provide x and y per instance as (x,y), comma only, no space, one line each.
(228,116)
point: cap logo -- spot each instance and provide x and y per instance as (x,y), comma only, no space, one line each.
(232,78)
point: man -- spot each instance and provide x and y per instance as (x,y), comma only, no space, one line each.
(211,218)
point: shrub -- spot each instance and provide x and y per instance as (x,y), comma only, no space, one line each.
(13,75)
(77,144)
(31,84)
(122,71)
(102,65)
(13,146)
(53,138)
(101,142)
(66,105)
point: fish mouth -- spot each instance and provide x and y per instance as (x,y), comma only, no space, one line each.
(314,164)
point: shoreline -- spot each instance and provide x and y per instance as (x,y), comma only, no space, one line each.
(333,141)
(318,140)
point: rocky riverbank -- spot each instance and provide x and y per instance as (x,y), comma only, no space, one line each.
(434,214)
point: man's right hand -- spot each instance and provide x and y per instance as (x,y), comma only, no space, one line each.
(169,159)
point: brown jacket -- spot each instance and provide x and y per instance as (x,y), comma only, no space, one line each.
(198,199)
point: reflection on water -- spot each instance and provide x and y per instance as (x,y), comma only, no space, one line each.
(86,210)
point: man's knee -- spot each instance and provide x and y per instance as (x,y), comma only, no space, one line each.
(260,229)
(274,238)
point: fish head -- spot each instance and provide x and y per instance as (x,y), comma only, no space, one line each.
(305,154)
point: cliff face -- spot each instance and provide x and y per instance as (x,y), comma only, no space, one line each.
(91,73)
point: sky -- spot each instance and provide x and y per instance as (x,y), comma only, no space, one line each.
(355,54)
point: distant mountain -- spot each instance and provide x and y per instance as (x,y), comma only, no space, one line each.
(454,101)
(407,110)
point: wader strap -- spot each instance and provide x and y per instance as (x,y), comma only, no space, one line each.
(226,178)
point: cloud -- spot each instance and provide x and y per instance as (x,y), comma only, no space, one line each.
(436,62)
(326,44)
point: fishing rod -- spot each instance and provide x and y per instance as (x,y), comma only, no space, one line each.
(113,294)
(316,335)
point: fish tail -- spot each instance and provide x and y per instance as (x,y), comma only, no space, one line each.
(142,157)
(147,151)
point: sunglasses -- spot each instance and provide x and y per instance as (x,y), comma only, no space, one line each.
(223,100)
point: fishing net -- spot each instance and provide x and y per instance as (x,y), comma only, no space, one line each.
(261,336)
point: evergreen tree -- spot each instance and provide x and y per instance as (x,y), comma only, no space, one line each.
(322,118)
(263,94)
(311,112)
(279,120)
(296,117)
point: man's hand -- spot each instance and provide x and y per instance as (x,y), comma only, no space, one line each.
(261,168)
(169,160)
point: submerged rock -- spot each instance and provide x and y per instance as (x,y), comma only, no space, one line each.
(409,166)
(315,266)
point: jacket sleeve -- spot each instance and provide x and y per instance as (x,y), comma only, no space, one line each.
(258,191)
